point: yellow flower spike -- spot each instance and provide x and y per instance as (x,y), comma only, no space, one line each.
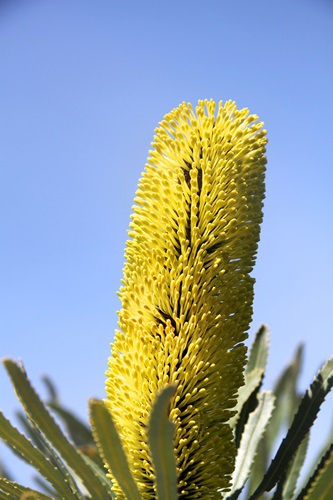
(187,292)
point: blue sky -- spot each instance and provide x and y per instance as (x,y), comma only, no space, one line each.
(83,86)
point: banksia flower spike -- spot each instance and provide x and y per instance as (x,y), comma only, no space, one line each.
(187,292)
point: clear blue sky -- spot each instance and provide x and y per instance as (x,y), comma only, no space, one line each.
(83,84)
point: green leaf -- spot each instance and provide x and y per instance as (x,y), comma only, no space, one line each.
(259,351)
(43,420)
(30,495)
(111,449)
(254,373)
(161,444)
(16,491)
(287,398)
(45,487)
(51,389)
(79,432)
(38,439)
(320,484)
(100,473)
(287,401)
(247,401)
(20,444)
(321,453)
(251,386)
(287,485)
(303,420)
(253,432)
(4,473)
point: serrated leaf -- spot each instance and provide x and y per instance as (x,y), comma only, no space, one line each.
(45,487)
(287,398)
(79,432)
(258,351)
(43,420)
(253,377)
(304,418)
(161,444)
(320,484)
(287,401)
(22,446)
(100,473)
(51,388)
(16,491)
(287,485)
(30,495)
(253,432)
(248,398)
(251,386)
(321,454)
(4,473)
(111,449)
(39,440)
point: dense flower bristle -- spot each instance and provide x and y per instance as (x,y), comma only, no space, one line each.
(187,291)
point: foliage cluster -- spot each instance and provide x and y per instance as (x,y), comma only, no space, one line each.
(71,463)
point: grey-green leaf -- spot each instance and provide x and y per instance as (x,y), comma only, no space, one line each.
(303,420)
(43,420)
(287,398)
(259,351)
(253,377)
(15,491)
(21,445)
(253,433)
(251,386)
(111,449)
(320,484)
(161,444)
(39,440)
(287,485)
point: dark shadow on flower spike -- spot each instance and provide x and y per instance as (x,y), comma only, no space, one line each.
(166,317)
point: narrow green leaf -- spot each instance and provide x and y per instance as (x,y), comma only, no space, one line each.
(38,439)
(321,453)
(287,397)
(77,430)
(251,386)
(320,484)
(4,473)
(161,444)
(30,495)
(248,394)
(22,446)
(287,485)
(259,351)
(16,491)
(253,377)
(100,473)
(45,487)
(43,420)
(303,420)
(253,432)
(51,388)
(111,449)
(286,404)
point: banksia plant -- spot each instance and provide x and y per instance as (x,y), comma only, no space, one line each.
(185,415)
(187,292)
